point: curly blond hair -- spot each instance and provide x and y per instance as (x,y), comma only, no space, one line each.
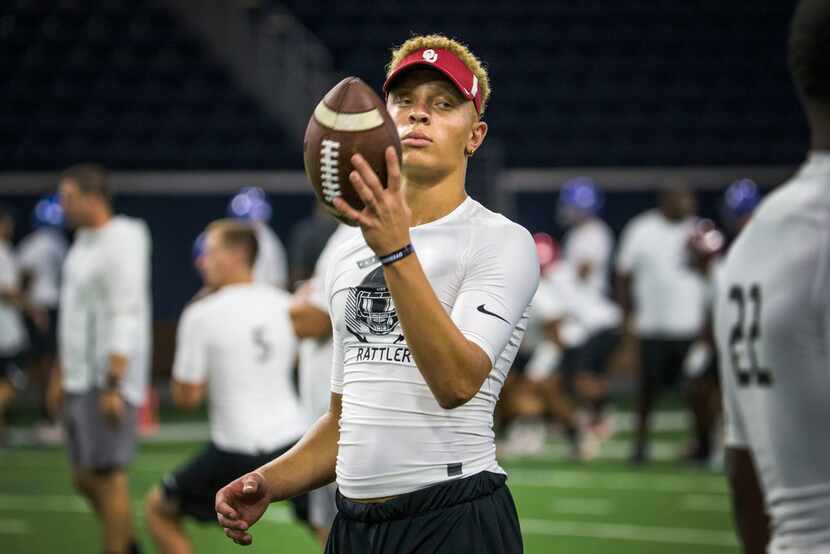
(440,41)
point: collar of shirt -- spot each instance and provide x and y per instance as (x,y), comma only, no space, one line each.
(818,163)
(455,214)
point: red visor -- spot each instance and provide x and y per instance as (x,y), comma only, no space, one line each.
(447,63)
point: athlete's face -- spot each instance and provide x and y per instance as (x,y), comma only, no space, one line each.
(218,261)
(678,203)
(435,123)
(74,202)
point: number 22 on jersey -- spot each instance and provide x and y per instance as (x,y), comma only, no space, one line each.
(744,337)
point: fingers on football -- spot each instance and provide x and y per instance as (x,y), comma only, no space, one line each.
(362,189)
(239,537)
(393,169)
(370,178)
(358,217)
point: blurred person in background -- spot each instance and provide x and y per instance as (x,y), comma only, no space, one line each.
(13,338)
(312,325)
(772,328)
(662,297)
(739,203)
(523,407)
(708,247)
(309,237)
(589,242)
(271,267)
(584,326)
(235,347)
(104,340)
(41,255)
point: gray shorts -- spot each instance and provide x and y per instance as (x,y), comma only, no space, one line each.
(93,442)
(322,507)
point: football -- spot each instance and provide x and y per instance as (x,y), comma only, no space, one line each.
(351,118)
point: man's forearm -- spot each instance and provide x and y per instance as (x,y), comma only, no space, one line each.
(310,464)
(117,369)
(452,366)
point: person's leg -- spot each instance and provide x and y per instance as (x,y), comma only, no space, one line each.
(116,515)
(703,398)
(84,482)
(651,361)
(165,524)
(7,394)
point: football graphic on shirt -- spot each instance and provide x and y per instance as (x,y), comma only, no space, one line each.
(370,309)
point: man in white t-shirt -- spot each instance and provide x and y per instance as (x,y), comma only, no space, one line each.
(104,334)
(271,266)
(589,242)
(772,327)
(428,309)
(13,338)
(662,297)
(236,347)
(310,318)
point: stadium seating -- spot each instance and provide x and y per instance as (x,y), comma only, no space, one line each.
(122,82)
(640,82)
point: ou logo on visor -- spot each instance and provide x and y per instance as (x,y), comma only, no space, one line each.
(430,55)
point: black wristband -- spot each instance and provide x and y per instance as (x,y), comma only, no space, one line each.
(393,257)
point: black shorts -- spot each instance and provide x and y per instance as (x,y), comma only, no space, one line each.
(474,514)
(661,360)
(9,365)
(193,486)
(43,341)
(591,356)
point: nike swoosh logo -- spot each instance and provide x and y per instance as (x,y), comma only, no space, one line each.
(484,310)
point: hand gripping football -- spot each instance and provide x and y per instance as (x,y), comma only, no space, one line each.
(350,119)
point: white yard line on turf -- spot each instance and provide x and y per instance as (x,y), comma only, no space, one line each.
(705,503)
(14,527)
(636,533)
(530,526)
(628,481)
(582,506)
(43,502)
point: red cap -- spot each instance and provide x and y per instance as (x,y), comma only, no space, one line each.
(447,63)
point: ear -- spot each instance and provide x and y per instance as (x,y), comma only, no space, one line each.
(477,135)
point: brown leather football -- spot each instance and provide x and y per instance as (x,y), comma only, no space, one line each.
(350,119)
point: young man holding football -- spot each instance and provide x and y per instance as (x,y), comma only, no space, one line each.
(428,307)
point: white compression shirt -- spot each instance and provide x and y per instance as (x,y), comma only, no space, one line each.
(394,436)
(772,325)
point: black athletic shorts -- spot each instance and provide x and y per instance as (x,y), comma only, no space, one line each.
(591,356)
(193,486)
(8,366)
(475,514)
(43,341)
(661,360)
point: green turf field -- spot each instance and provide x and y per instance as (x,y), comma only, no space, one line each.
(605,506)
